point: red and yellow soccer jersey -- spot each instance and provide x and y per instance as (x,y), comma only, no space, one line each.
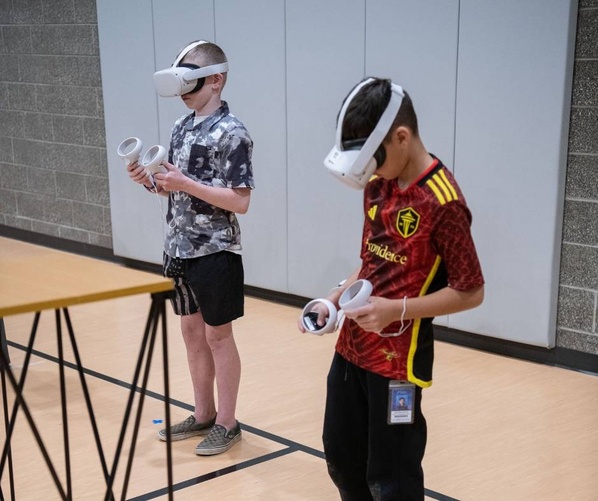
(414,242)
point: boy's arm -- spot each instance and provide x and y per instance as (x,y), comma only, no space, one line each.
(443,302)
(380,312)
(231,199)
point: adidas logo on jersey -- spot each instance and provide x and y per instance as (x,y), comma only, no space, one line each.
(372,212)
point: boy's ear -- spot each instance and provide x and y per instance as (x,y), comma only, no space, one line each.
(218,78)
(402,134)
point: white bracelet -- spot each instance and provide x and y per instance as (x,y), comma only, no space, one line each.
(404,309)
(403,326)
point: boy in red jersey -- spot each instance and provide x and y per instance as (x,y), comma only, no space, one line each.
(418,253)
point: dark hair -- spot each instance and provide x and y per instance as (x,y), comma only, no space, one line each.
(367,107)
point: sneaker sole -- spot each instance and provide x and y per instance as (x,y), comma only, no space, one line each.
(184,436)
(217,450)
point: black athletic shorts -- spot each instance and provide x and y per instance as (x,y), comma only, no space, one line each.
(212,284)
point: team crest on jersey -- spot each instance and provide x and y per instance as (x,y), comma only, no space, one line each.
(407,222)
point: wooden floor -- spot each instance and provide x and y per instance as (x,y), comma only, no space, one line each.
(499,429)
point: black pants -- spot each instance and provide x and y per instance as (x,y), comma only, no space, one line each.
(367,458)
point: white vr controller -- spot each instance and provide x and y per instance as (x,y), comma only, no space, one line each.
(354,296)
(309,318)
(130,151)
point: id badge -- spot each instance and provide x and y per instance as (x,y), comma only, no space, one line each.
(401,396)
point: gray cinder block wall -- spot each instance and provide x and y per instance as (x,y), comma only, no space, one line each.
(578,294)
(53,173)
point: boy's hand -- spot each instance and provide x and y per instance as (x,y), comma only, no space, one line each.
(377,314)
(323,314)
(138,173)
(172,179)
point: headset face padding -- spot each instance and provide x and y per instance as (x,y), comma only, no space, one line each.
(200,81)
(380,156)
(357,144)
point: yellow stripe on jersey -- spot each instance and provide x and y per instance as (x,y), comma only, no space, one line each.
(445,190)
(439,196)
(442,188)
(415,331)
(448,183)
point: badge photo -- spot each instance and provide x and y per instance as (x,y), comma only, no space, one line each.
(401,396)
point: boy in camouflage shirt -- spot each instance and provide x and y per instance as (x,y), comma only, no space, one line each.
(208,179)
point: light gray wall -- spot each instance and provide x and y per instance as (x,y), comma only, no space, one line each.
(492,105)
(512,114)
(44,115)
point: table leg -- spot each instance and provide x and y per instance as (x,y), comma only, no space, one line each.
(20,402)
(9,452)
(63,405)
(86,393)
(6,361)
(157,315)
(3,344)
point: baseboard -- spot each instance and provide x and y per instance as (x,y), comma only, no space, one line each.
(559,357)
(62,244)
(276,297)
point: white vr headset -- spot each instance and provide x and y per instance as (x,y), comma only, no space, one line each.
(354,162)
(182,79)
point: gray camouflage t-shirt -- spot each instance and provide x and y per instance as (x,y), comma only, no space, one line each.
(215,152)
